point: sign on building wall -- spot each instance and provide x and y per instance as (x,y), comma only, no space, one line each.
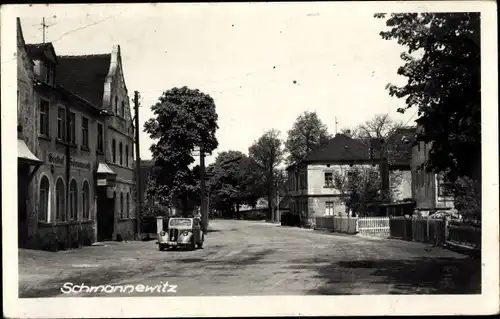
(60,160)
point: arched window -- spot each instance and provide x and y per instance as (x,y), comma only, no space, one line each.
(120,151)
(121,206)
(123,108)
(86,200)
(60,202)
(116,104)
(43,201)
(73,200)
(113,150)
(126,155)
(128,206)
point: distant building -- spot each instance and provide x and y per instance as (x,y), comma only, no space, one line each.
(430,192)
(311,181)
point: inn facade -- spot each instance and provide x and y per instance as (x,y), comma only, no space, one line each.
(75,171)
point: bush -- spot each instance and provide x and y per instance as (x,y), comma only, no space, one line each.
(468,198)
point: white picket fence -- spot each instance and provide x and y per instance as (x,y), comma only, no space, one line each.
(373,225)
(353,225)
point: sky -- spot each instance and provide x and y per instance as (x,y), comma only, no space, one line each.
(246,56)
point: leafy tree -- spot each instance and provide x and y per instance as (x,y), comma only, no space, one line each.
(267,153)
(358,187)
(308,133)
(442,64)
(183,120)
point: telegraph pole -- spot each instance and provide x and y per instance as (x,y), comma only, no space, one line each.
(138,196)
(384,168)
(203,208)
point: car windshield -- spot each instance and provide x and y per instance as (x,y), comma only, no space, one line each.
(180,222)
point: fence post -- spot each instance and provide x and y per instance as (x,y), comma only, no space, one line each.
(159,224)
(446,231)
(428,230)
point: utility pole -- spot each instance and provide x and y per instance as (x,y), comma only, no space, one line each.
(203,208)
(277,201)
(384,169)
(336,122)
(138,196)
(68,171)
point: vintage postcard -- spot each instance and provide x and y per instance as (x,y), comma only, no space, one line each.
(250,159)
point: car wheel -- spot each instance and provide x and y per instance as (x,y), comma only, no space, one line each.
(192,245)
(162,248)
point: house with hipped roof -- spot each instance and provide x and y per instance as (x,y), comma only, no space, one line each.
(311,181)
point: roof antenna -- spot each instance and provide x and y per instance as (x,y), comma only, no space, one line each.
(44,26)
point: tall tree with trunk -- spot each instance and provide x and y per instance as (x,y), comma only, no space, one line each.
(442,64)
(183,120)
(268,153)
(307,133)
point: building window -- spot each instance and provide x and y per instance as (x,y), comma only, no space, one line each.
(329,179)
(44,118)
(123,108)
(61,120)
(100,137)
(329,208)
(85,132)
(126,156)
(445,189)
(43,204)
(121,206)
(60,202)
(116,104)
(113,150)
(128,205)
(73,200)
(86,201)
(120,152)
(72,126)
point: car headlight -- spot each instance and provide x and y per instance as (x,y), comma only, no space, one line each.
(162,233)
(185,233)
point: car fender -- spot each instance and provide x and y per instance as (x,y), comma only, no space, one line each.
(185,238)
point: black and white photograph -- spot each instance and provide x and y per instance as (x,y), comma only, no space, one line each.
(265,158)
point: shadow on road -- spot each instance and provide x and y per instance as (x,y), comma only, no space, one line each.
(414,276)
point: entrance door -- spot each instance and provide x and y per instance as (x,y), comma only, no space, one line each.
(105,215)
(22,214)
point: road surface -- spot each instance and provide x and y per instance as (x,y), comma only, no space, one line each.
(253,258)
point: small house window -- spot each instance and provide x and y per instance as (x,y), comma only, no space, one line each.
(116,104)
(43,204)
(123,109)
(126,156)
(328,179)
(120,151)
(113,150)
(85,132)
(73,200)
(61,124)
(329,208)
(44,117)
(72,128)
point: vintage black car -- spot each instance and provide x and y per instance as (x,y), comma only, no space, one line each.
(182,232)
